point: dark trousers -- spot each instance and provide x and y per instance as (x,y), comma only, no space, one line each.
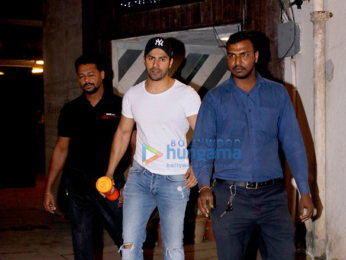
(264,209)
(84,210)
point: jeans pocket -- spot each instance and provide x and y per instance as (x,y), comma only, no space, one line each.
(133,175)
(176,185)
(135,168)
(176,178)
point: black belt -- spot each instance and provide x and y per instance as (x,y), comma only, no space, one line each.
(252,185)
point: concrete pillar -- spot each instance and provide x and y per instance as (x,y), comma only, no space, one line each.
(318,5)
(62,44)
(317,244)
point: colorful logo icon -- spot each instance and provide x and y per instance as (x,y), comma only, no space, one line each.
(146,161)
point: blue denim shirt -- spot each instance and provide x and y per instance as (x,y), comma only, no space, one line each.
(238,134)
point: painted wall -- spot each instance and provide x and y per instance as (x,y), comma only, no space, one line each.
(334,205)
(336,138)
(199,61)
(194,67)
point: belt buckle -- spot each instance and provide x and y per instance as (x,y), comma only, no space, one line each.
(250,188)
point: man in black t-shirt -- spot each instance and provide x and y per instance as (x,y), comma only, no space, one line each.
(86,128)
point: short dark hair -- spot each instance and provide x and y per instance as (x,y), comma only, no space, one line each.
(90,58)
(242,36)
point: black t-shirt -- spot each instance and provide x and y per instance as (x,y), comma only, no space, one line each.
(91,131)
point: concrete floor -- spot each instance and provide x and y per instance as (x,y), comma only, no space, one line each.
(28,232)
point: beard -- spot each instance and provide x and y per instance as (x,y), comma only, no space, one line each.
(160,74)
(90,91)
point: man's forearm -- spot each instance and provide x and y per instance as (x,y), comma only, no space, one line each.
(119,147)
(56,165)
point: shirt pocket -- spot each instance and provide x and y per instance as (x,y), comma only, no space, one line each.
(108,126)
(269,120)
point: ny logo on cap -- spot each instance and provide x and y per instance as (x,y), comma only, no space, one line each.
(159,42)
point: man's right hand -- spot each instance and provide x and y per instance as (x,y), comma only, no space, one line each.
(204,196)
(110,176)
(49,202)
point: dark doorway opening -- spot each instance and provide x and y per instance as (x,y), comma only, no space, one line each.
(22,127)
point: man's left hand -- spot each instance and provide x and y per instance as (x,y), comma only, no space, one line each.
(305,203)
(191,179)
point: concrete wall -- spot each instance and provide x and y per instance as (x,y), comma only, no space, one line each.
(336,122)
(198,59)
(334,205)
(62,44)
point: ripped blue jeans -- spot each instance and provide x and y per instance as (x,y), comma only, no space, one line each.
(142,193)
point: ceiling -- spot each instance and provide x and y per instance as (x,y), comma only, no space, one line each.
(21,32)
(204,40)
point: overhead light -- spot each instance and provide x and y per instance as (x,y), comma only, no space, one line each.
(1,73)
(36,70)
(40,62)
(224,37)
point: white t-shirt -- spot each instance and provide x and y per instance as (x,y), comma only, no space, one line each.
(162,126)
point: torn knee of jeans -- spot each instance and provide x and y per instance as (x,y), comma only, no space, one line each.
(127,246)
(168,251)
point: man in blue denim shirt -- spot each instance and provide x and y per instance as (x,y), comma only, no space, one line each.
(239,126)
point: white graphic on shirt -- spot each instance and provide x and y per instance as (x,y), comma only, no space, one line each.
(159,42)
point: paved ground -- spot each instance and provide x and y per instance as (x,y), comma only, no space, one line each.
(28,232)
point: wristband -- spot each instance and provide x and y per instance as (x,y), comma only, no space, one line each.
(205,187)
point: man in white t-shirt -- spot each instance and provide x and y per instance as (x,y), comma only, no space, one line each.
(163,109)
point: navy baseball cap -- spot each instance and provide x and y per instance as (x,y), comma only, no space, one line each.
(159,42)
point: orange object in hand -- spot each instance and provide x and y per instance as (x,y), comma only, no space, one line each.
(105,186)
